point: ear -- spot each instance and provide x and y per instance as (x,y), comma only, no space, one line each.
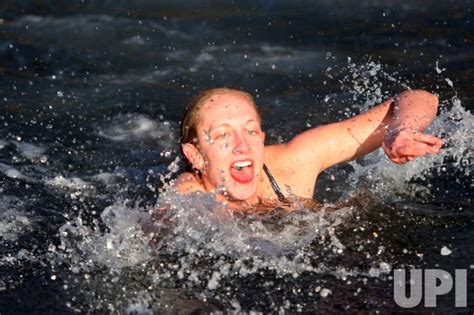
(263,136)
(194,156)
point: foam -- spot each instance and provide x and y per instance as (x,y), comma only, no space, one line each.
(75,186)
(123,245)
(260,57)
(29,150)
(132,127)
(385,178)
(13,222)
(73,183)
(136,76)
(202,246)
(81,26)
(195,227)
(104,177)
(136,40)
(14,173)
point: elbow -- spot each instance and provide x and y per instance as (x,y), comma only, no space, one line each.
(421,97)
(430,98)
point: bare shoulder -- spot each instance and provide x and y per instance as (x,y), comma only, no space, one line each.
(274,151)
(291,170)
(277,158)
(187,183)
(295,155)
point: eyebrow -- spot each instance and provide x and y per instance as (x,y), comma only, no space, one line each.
(218,126)
(227,125)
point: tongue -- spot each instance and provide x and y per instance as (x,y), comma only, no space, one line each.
(245,175)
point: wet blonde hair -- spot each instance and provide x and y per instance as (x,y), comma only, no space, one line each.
(191,117)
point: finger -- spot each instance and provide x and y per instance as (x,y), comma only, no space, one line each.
(402,160)
(428,139)
(439,145)
(398,161)
(415,149)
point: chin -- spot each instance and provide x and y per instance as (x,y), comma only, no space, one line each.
(241,193)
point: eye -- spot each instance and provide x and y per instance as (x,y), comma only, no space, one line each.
(221,136)
(252,132)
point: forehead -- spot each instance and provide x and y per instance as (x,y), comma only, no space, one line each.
(232,107)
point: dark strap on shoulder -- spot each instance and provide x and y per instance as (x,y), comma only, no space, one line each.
(274,184)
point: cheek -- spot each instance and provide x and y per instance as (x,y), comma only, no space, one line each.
(224,146)
(220,148)
(258,145)
(216,153)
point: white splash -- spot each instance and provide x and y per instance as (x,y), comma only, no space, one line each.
(453,125)
(132,127)
(13,220)
(75,186)
(14,173)
(125,243)
(363,83)
(29,150)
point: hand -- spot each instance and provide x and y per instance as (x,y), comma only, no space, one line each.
(405,144)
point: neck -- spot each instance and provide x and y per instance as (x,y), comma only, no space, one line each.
(237,204)
(240,205)
(232,203)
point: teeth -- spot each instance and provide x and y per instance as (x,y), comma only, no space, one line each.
(240,165)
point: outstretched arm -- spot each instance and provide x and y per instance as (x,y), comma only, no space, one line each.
(403,138)
(397,124)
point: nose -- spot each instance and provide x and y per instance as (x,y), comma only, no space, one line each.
(241,145)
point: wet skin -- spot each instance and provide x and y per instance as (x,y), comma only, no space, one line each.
(229,131)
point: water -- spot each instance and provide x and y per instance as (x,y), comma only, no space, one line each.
(91,97)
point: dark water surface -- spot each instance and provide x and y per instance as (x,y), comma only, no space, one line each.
(91,95)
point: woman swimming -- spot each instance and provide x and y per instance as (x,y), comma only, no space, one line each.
(222,139)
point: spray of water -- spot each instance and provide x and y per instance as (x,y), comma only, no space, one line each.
(198,244)
(453,124)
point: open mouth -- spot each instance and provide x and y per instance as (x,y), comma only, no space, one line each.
(242,171)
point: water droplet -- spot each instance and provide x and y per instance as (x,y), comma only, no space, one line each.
(325,292)
(445,251)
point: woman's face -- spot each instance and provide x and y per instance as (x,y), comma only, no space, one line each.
(231,143)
